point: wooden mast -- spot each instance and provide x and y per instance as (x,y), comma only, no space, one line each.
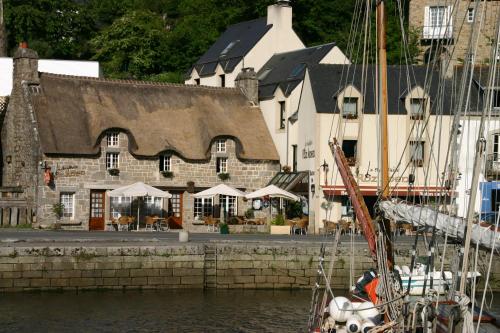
(382,108)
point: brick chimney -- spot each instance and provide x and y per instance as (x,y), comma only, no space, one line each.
(248,83)
(25,65)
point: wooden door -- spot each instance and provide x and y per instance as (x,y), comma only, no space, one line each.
(97,209)
(175,211)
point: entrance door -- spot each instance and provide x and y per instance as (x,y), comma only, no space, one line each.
(97,208)
(175,211)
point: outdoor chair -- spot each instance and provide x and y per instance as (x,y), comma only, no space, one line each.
(123,222)
(301,225)
(211,223)
(330,227)
(260,221)
(150,223)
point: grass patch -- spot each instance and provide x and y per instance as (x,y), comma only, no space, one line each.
(19,226)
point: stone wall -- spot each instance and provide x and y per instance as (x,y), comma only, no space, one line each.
(210,265)
(81,174)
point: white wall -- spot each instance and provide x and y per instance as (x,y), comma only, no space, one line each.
(66,67)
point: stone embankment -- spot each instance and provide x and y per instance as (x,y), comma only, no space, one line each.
(223,265)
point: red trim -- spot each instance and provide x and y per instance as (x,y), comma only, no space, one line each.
(398,191)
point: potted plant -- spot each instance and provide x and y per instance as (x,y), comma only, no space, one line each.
(58,210)
(224,228)
(224,176)
(167,174)
(287,169)
(278,226)
(114,172)
(249,214)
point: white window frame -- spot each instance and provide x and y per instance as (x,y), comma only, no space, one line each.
(496,147)
(68,199)
(112,161)
(229,201)
(166,164)
(203,207)
(220,146)
(113,139)
(221,166)
(470,15)
(119,206)
(413,159)
(438,22)
(350,101)
(421,103)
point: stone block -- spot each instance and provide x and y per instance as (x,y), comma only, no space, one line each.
(32,274)
(7,283)
(244,279)
(166,272)
(300,280)
(10,275)
(295,272)
(108,265)
(71,274)
(225,279)
(144,272)
(108,273)
(85,265)
(175,280)
(286,279)
(272,278)
(91,274)
(82,282)
(139,281)
(124,281)
(260,279)
(110,281)
(155,280)
(122,272)
(61,266)
(135,265)
(233,272)
(194,280)
(282,286)
(37,283)
(59,282)
(6,267)
(188,272)
(249,286)
(21,283)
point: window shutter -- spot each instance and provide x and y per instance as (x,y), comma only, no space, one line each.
(162,158)
(426,21)
(449,21)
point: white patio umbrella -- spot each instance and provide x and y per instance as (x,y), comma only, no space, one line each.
(139,189)
(221,189)
(274,192)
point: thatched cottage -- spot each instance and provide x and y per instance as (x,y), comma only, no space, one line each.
(70,140)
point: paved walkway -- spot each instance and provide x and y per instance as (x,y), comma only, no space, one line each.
(10,236)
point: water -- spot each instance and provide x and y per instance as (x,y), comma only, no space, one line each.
(159,311)
(156,311)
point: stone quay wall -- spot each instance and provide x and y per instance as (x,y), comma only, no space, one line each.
(199,266)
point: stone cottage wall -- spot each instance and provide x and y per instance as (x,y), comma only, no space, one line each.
(81,174)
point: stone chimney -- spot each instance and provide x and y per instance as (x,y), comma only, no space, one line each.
(25,66)
(248,83)
(280,15)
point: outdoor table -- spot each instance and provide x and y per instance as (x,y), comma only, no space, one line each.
(157,222)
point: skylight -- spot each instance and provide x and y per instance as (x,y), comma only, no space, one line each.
(228,48)
(264,74)
(297,70)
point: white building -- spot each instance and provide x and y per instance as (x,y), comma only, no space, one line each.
(246,44)
(67,67)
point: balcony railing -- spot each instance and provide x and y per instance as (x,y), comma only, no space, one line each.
(437,32)
(492,165)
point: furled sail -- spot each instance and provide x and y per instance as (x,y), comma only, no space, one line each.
(482,233)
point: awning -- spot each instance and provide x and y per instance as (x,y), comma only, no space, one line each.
(288,180)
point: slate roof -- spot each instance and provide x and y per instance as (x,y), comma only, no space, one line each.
(73,114)
(278,70)
(243,35)
(329,80)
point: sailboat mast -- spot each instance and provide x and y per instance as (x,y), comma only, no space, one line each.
(382,109)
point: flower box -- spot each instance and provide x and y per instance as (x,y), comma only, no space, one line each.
(224,176)
(280,229)
(167,174)
(114,172)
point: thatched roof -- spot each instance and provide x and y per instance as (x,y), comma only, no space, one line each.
(73,113)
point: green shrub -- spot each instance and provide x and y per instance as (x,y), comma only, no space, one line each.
(249,214)
(58,210)
(278,220)
(224,229)
(232,220)
(294,209)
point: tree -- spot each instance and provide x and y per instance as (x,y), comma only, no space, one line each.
(134,46)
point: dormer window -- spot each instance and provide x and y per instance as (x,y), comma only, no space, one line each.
(470,15)
(350,108)
(165,163)
(228,48)
(297,70)
(220,146)
(417,107)
(113,138)
(197,81)
(222,79)
(282,115)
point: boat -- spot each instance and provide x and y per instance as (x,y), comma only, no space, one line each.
(418,297)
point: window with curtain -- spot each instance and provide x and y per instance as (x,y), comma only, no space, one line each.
(350,107)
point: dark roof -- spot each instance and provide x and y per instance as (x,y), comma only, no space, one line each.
(232,46)
(329,80)
(73,113)
(287,69)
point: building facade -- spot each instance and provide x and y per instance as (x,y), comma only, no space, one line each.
(71,140)
(244,45)
(444,29)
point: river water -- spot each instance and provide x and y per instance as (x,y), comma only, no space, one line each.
(157,311)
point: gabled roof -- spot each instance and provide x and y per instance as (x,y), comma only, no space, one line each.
(287,69)
(232,46)
(328,81)
(73,114)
